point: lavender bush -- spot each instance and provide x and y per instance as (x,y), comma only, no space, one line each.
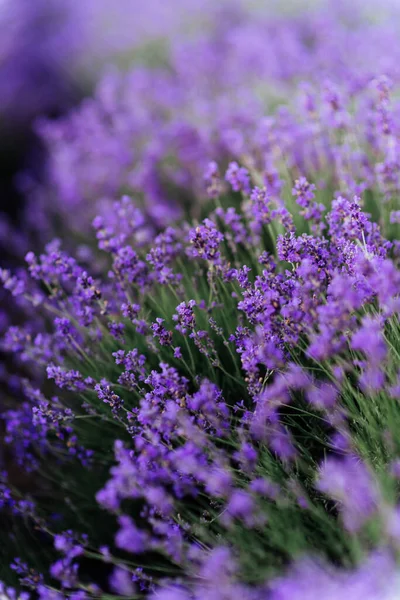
(203,393)
(242,84)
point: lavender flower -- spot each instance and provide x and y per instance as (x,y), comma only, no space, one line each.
(201,389)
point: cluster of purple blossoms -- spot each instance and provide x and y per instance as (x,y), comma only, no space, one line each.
(212,394)
(202,374)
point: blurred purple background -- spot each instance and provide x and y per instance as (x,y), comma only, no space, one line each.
(53,53)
